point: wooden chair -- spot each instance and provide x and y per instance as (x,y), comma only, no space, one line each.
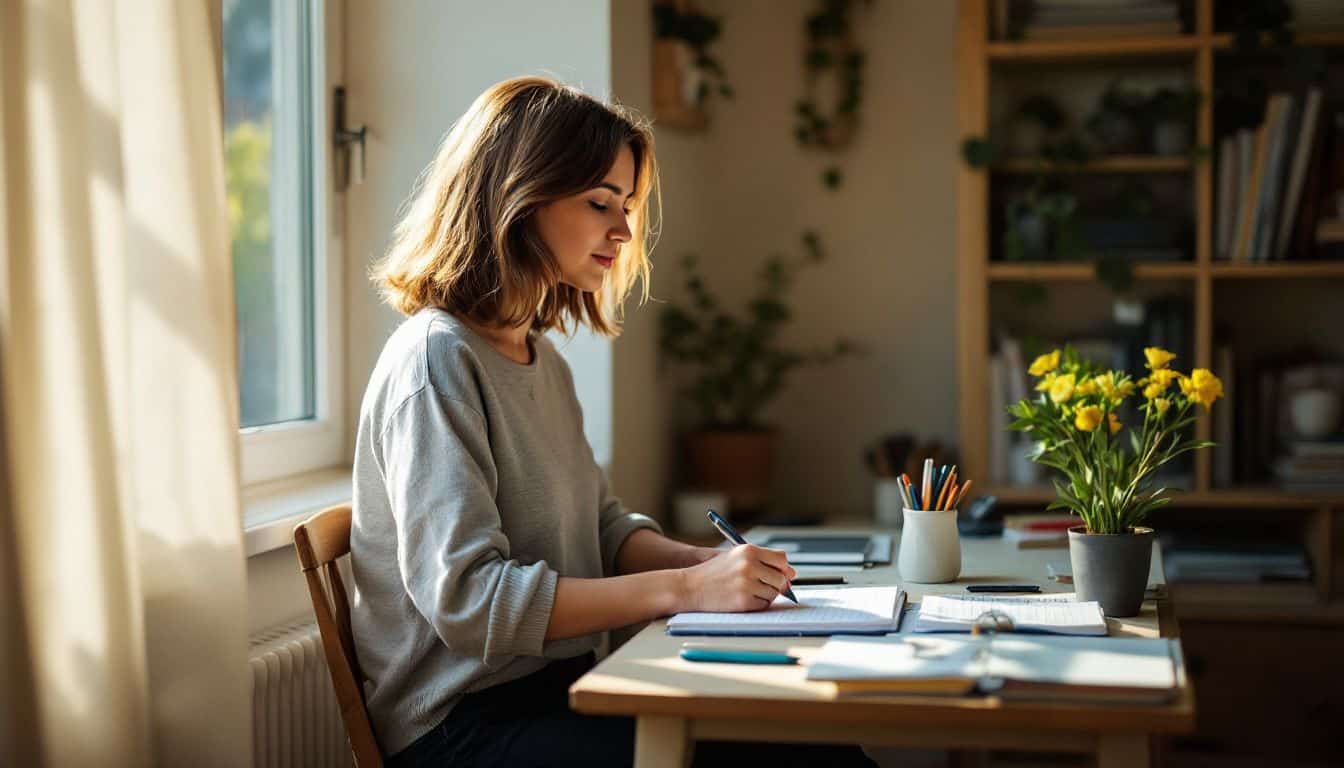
(320,541)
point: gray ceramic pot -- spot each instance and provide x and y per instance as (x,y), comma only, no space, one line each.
(1111,568)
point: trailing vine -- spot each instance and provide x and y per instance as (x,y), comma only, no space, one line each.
(698,31)
(831,51)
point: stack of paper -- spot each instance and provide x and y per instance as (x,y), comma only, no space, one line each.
(1058,615)
(856,610)
(1011,666)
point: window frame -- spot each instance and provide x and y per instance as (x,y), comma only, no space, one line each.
(282,450)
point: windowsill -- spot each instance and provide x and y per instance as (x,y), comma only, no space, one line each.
(271,510)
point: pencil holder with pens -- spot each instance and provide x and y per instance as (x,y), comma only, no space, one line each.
(930,546)
(930,550)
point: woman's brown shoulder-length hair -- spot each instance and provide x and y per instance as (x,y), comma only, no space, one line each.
(465,242)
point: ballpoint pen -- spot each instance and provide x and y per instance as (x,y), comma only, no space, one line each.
(736,538)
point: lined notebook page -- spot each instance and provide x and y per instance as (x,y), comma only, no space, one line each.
(820,611)
(1058,615)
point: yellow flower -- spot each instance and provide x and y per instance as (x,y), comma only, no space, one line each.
(1158,358)
(1124,389)
(1161,404)
(1044,364)
(1113,423)
(1086,387)
(1045,383)
(1088,418)
(1155,385)
(1061,389)
(1202,387)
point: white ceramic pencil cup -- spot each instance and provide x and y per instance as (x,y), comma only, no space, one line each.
(930,546)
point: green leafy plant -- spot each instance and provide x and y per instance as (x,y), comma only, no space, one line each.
(740,364)
(698,31)
(1108,479)
(830,51)
(1176,104)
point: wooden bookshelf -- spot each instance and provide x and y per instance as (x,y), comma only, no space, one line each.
(1113,164)
(978,60)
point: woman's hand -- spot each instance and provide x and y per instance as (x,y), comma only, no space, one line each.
(745,578)
(697,555)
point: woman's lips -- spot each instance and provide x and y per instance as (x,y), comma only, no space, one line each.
(605,261)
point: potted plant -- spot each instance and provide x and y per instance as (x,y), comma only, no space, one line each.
(1173,113)
(1109,476)
(738,364)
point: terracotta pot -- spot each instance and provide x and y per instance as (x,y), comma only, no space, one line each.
(737,462)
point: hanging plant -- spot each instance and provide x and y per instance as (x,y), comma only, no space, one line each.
(698,31)
(830,52)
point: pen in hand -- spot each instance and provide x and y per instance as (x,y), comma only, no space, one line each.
(736,538)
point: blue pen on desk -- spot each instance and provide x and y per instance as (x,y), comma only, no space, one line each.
(736,655)
(736,538)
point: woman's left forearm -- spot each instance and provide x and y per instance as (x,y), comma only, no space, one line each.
(648,550)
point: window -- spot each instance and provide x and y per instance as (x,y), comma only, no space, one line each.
(275,148)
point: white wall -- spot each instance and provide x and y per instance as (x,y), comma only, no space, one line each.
(744,189)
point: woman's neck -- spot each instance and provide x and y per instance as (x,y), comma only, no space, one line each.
(511,342)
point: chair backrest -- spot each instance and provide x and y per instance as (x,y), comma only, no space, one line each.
(320,541)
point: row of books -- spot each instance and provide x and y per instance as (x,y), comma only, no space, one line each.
(1278,182)
(1256,437)
(1191,557)
(1083,20)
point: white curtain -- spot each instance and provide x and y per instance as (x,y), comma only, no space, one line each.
(122,582)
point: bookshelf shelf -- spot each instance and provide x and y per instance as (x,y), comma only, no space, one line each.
(1053,50)
(1287,269)
(1050,271)
(1251,497)
(1113,164)
(1312,39)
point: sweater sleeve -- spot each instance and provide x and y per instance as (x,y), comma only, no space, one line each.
(615,523)
(451,550)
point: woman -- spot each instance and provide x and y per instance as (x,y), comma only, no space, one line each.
(488,552)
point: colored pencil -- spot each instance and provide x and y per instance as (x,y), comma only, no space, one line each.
(926,489)
(962,494)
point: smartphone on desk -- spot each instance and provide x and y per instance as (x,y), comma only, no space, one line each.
(1001,588)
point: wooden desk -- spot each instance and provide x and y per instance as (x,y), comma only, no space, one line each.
(675,702)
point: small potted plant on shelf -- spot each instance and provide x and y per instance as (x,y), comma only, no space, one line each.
(739,365)
(1173,113)
(1109,475)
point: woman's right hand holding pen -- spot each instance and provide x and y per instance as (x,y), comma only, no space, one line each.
(745,578)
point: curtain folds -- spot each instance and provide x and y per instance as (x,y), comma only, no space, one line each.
(122,583)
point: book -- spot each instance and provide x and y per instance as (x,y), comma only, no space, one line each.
(1251,193)
(1271,191)
(1052,614)
(1223,431)
(1227,187)
(1011,666)
(1037,531)
(819,611)
(1302,152)
(832,549)
(1245,157)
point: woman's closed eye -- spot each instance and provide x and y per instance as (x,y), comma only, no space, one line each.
(603,208)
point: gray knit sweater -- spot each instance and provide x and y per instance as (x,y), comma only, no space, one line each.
(474,490)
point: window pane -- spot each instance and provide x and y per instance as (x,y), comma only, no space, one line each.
(268,165)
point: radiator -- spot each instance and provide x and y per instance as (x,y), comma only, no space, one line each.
(296,722)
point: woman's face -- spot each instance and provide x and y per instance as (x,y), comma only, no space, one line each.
(585,231)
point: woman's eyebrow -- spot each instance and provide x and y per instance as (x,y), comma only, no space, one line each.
(613,188)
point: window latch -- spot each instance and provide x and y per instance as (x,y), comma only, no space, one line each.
(349,141)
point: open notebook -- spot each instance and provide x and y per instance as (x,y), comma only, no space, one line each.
(1113,669)
(854,611)
(1050,614)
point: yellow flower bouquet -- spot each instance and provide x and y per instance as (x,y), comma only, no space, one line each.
(1108,465)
